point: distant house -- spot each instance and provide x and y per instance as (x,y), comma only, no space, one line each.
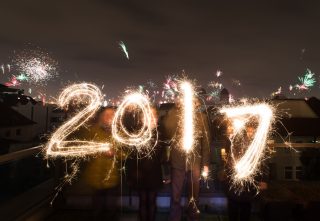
(299,122)
(224,96)
(47,117)
(23,120)
(14,128)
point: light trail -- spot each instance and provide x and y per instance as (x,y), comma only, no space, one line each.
(247,166)
(141,139)
(58,145)
(124,49)
(187,116)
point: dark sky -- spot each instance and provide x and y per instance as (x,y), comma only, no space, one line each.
(259,42)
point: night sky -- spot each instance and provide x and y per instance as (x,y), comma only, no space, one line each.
(261,44)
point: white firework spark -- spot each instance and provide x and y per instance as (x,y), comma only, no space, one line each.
(218,73)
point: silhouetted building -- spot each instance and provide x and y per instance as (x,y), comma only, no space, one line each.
(224,96)
(47,117)
(16,131)
(300,122)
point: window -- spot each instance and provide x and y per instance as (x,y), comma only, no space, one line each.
(299,172)
(18,132)
(223,154)
(288,173)
(8,133)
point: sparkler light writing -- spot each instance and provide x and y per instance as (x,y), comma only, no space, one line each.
(141,139)
(58,145)
(188,117)
(246,167)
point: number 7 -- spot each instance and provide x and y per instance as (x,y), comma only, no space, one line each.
(246,167)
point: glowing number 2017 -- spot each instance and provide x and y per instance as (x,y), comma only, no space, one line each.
(244,168)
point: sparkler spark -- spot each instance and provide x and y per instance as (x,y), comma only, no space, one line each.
(247,166)
(188,116)
(142,138)
(58,145)
(205,174)
(124,49)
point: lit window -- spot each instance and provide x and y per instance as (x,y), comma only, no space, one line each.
(223,154)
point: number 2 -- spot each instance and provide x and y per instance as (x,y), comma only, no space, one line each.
(58,145)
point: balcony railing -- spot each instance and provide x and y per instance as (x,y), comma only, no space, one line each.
(26,183)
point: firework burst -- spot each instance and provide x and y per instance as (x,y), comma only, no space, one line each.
(37,66)
(170,88)
(236,82)
(306,81)
(214,90)
(13,82)
(22,77)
